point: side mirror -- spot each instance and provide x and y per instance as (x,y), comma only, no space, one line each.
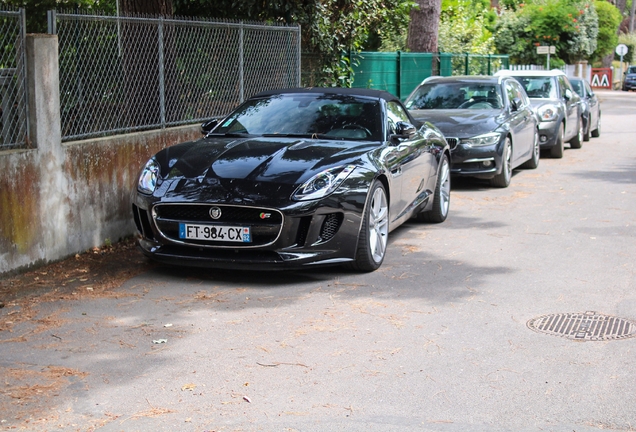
(404,130)
(515,104)
(568,94)
(208,126)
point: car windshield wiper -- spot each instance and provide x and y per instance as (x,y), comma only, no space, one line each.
(229,134)
(297,135)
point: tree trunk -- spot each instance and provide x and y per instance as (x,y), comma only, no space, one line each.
(621,5)
(424,26)
(151,7)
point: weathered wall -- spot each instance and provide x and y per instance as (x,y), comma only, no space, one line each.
(60,199)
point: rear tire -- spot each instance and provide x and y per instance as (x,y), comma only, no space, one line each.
(374,233)
(597,132)
(557,150)
(441,200)
(577,141)
(502,180)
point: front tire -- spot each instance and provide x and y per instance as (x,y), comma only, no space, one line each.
(441,200)
(533,162)
(577,141)
(557,150)
(586,135)
(502,180)
(374,234)
(597,132)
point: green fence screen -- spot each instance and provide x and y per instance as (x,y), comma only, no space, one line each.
(399,72)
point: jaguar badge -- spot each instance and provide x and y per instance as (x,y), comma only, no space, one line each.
(215,212)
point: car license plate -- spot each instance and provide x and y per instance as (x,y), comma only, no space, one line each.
(215,233)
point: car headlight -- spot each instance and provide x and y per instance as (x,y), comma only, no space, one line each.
(548,113)
(148,177)
(323,183)
(490,138)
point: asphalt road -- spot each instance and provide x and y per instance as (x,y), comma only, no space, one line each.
(436,340)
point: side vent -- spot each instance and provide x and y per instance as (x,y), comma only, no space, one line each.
(135,210)
(303,230)
(142,222)
(330,226)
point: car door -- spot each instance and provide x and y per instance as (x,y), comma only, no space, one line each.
(412,161)
(572,109)
(594,105)
(521,123)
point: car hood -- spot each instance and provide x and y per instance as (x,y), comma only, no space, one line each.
(539,102)
(461,123)
(221,168)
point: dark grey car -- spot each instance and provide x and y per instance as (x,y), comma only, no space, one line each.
(591,108)
(629,83)
(488,123)
(557,105)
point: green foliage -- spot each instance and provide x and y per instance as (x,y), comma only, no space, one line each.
(36,21)
(628,39)
(329,27)
(609,18)
(570,26)
(464,28)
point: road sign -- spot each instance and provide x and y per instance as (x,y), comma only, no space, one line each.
(546,49)
(602,78)
(621,50)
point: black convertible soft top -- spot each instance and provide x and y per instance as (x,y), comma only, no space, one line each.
(380,94)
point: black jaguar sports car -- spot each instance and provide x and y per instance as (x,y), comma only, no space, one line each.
(294,178)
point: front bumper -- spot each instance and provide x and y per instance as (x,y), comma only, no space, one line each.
(548,132)
(323,232)
(481,162)
(629,85)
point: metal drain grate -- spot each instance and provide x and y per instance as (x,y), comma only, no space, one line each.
(588,326)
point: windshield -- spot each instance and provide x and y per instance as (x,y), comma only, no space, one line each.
(455,96)
(539,87)
(578,87)
(631,70)
(311,115)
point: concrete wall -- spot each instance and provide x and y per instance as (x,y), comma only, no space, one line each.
(59,199)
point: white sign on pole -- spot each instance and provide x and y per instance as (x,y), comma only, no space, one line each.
(543,49)
(621,49)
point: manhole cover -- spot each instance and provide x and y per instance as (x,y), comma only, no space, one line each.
(588,326)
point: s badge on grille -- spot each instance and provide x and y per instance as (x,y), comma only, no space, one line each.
(215,212)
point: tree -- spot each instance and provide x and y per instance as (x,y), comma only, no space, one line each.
(571,27)
(465,27)
(424,25)
(609,18)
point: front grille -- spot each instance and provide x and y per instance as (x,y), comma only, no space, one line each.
(265,224)
(452,142)
(229,214)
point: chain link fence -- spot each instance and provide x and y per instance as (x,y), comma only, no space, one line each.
(13,95)
(123,74)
